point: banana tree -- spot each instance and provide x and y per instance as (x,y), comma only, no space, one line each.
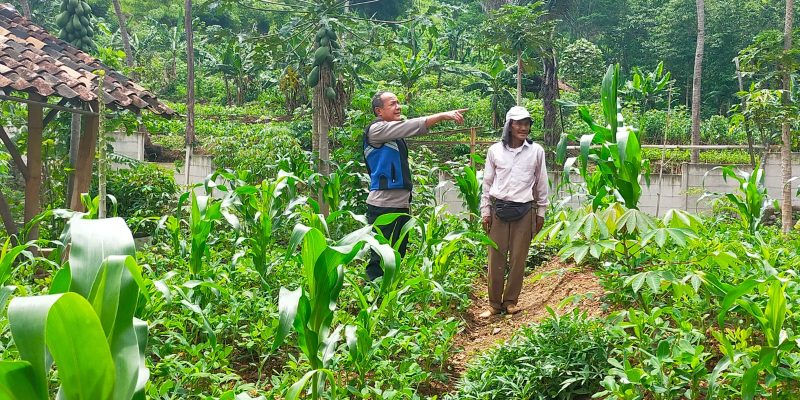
(85,326)
(495,84)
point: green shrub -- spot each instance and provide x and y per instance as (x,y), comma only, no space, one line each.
(261,152)
(561,358)
(144,190)
(654,122)
(718,130)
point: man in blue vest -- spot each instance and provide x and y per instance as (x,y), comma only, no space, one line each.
(386,156)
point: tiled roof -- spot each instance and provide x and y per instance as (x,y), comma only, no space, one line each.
(34,61)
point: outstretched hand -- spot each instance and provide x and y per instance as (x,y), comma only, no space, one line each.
(456,115)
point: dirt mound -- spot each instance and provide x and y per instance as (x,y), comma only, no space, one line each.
(548,286)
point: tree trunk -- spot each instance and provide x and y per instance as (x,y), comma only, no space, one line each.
(321,128)
(697,79)
(8,218)
(85,159)
(74,142)
(189,88)
(33,185)
(519,77)
(26,9)
(552,130)
(786,133)
(227,91)
(123,33)
(102,157)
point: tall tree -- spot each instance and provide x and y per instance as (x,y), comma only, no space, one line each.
(26,9)
(123,33)
(697,79)
(187,22)
(786,148)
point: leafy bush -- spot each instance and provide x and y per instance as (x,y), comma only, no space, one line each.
(142,191)
(260,152)
(536,364)
(654,122)
(718,130)
(582,63)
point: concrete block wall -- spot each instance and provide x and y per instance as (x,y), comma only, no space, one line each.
(670,191)
(128,145)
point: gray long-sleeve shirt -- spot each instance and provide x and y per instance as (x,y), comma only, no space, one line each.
(382,132)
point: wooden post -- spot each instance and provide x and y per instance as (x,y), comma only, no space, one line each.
(86,150)
(472,140)
(33,185)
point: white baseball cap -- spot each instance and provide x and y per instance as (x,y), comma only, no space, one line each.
(517,113)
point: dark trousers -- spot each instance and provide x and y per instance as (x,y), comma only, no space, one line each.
(390,231)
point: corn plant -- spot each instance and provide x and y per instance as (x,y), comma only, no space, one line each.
(750,200)
(309,310)
(85,326)
(612,149)
(262,208)
(469,187)
(205,211)
(8,261)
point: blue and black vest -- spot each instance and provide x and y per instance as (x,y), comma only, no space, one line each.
(387,164)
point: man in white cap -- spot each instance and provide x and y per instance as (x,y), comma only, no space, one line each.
(513,204)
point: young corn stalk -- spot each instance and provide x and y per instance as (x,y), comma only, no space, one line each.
(309,310)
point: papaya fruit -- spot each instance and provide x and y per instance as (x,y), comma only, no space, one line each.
(321,33)
(313,77)
(321,55)
(62,19)
(330,93)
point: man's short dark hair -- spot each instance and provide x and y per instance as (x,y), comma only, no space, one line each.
(377,100)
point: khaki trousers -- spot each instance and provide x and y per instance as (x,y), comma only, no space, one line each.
(513,242)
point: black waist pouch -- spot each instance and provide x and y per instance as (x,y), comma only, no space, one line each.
(510,211)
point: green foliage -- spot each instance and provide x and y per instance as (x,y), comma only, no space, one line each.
(384,10)
(142,192)
(647,89)
(750,200)
(495,85)
(535,365)
(309,310)
(613,149)
(86,325)
(582,64)
(469,188)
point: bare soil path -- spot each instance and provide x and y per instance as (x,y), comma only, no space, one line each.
(550,285)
